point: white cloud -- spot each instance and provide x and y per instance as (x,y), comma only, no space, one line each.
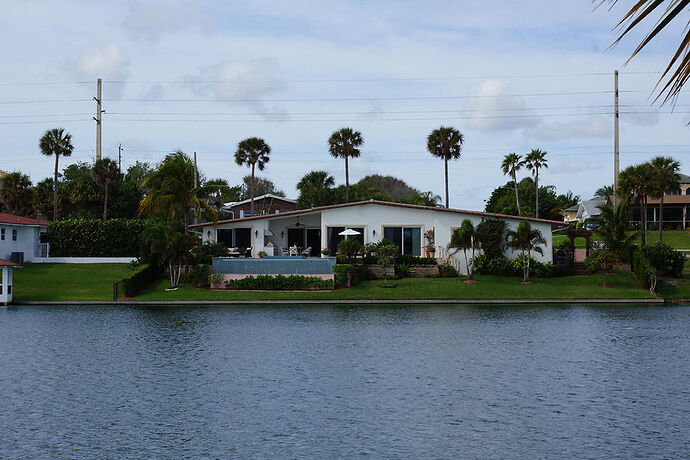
(103,61)
(492,103)
(243,83)
(150,19)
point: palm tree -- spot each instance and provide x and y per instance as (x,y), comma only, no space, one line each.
(16,192)
(535,160)
(219,192)
(526,239)
(613,230)
(677,9)
(315,189)
(665,172)
(103,172)
(253,152)
(345,143)
(56,142)
(635,183)
(464,238)
(604,191)
(170,191)
(510,166)
(445,142)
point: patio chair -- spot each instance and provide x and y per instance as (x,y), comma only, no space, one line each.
(233,252)
(284,252)
(293,251)
(307,252)
(248,252)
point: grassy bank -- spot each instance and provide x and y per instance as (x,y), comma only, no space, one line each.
(677,239)
(677,288)
(95,282)
(622,286)
(67,281)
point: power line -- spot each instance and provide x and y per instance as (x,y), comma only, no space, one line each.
(45,101)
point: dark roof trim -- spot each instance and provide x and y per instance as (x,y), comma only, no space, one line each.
(385,203)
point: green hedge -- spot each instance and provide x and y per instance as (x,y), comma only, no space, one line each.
(277,282)
(502,266)
(665,259)
(95,238)
(138,281)
(357,274)
(644,270)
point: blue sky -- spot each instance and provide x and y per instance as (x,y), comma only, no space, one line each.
(203,75)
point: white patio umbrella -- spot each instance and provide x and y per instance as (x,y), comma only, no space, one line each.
(349,232)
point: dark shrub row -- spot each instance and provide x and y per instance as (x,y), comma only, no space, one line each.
(277,282)
(666,260)
(138,281)
(502,266)
(95,238)
(644,270)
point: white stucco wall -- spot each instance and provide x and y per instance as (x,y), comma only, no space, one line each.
(373,218)
(28,240)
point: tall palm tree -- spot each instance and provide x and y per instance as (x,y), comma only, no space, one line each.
(635,184)
(345,143)
(253,152)
(534,161)
(527,240)
(16,192)
(676,9)
(170,191)
(218,191)
(665,171)
(315,189)
(510,166)
(56,142)
(604,191)
(445,142)
(103,172)
(613,230)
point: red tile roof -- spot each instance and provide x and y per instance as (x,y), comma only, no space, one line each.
(386,203)
(7,263)
(19,220)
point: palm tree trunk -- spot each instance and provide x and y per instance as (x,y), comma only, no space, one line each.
(517,199)
(347,182)
(445,160)
(105,202)
(643,223)
(536,184)
(661,219)
(251,191)
(55,190)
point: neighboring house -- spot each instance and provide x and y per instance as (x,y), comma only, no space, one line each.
(264,204)
(589,209)
(570,214)
(676,205)
(319,228)
(22,238)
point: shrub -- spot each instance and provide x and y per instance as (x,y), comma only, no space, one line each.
(409,259)
(491,234)
(343,275)
(341,259)
(278,282)
(403,271)
(665,259)
(215,280)
(502,266)
(558,270)
(95,237)
(138,281)
(349,247)
(199,275)
(447,271)
(644,270)
(204,253)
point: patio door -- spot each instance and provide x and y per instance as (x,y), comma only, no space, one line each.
(334,238)
(314,241)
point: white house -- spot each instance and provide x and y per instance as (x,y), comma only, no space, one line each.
(319,228)
(22,238)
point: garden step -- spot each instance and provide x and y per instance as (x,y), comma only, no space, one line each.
(580,269)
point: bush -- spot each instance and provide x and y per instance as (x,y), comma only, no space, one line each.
(491,233)
(665,259)
(644,270)
(138,281)
(341,260)
(350,247)
(502,266)
(95,237)
(558,270)
(403,271)
(343,275)
(204,253)
(199,275)
(278,282)
(409,259)
(215,280)
(447,271)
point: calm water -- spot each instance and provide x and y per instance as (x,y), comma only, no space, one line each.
(431,382)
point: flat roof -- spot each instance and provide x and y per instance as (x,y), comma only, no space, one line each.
(384,203)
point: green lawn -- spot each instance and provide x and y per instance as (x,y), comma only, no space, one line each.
(67,281)
(678,239)
(623,286)
(678,288)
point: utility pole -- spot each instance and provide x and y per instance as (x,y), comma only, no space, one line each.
(616,162)
(99,111)
(119,158)
(196,173)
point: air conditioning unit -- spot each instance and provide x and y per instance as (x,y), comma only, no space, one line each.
(17,258)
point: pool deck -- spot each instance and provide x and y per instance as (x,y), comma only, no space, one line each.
(657,301)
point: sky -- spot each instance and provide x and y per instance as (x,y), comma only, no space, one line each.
(200,76)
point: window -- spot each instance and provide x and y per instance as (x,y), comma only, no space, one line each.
(235,237)
(408,239)
(2,234)
(333,237)
(14,234)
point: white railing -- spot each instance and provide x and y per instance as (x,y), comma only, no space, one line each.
(447,258)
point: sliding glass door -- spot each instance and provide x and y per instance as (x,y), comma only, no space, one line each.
(408,239)
(333,237)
